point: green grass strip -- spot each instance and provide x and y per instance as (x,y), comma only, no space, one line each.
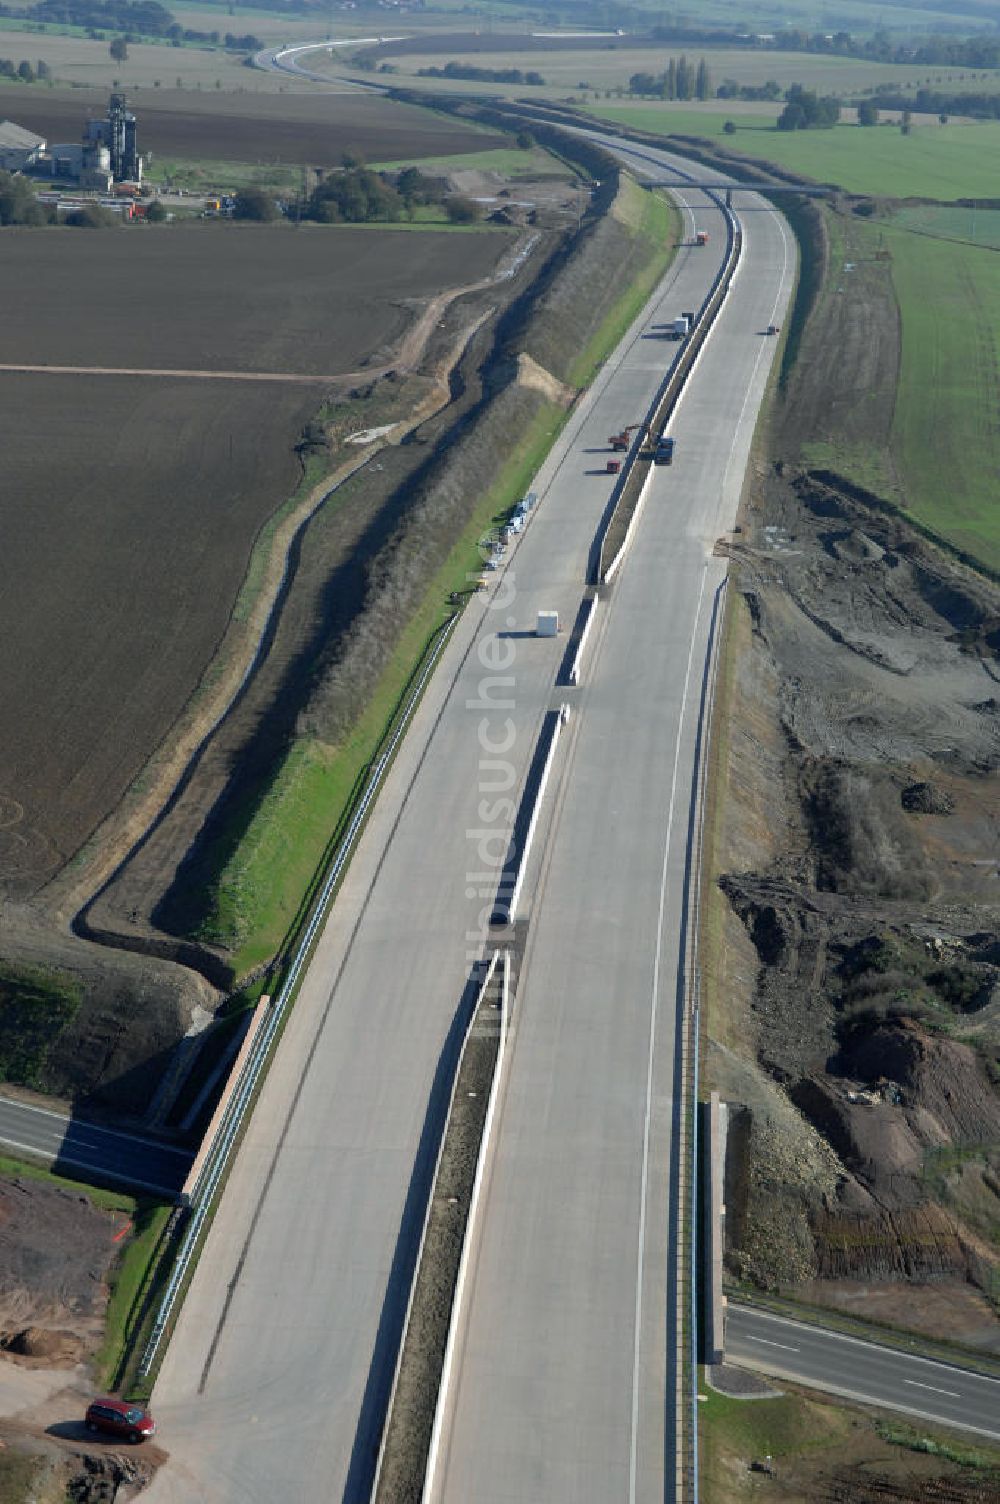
(129,1283)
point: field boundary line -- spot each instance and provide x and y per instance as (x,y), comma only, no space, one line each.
(289,376)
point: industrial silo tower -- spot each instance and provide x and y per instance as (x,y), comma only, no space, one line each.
(125,164)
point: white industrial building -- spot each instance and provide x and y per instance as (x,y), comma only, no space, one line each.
(19,148)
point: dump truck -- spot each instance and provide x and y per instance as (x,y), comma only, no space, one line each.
(701,237)
(664,451)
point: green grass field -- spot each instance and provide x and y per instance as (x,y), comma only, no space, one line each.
(945,438)
(934,161)
(972,225)
(944,445)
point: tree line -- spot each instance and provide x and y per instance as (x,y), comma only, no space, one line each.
(132,18)
(469,71)
(807,110)
(679,80)
(23,70)
(143,17)
(932,102)
(982,51)
(356,194)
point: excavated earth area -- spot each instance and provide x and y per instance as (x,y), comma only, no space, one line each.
(862,928)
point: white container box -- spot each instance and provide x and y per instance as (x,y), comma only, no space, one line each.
(548,624)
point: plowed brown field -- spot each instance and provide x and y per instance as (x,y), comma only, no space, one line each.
(128,507)
(307,129)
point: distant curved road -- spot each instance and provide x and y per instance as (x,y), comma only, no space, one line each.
(285,59)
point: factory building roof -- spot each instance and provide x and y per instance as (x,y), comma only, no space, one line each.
(17,138)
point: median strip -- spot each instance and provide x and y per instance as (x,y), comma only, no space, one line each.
(421,1388)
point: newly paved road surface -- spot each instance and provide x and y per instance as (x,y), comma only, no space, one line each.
(275,1381)
(565,1388)
(863,1371)
(86,1149)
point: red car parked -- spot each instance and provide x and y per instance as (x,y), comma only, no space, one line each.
(119,1418)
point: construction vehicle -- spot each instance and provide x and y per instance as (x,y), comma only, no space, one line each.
(680,327)
(613,466)
(622,440)
(701,237)
(664,451)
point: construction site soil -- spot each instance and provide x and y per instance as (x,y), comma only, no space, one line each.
(313,129)
(56,1250)
(856,988)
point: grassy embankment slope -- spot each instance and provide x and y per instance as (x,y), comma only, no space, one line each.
(944,447)
(256,896)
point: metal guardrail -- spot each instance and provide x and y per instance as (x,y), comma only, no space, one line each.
(639,465)
(217,1159)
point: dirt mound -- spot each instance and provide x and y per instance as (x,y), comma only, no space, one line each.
(944,1088)
(858,1485)
(925,798)
(56,1349)
(860,846)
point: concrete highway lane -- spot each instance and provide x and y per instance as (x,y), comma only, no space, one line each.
(275,1381)
(566,1378)
(865,1371)
(85,1149)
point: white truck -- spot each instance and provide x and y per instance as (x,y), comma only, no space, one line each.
(681,327)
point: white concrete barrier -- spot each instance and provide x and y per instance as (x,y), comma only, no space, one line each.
(591,607)
(522,864)
(441,1413)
